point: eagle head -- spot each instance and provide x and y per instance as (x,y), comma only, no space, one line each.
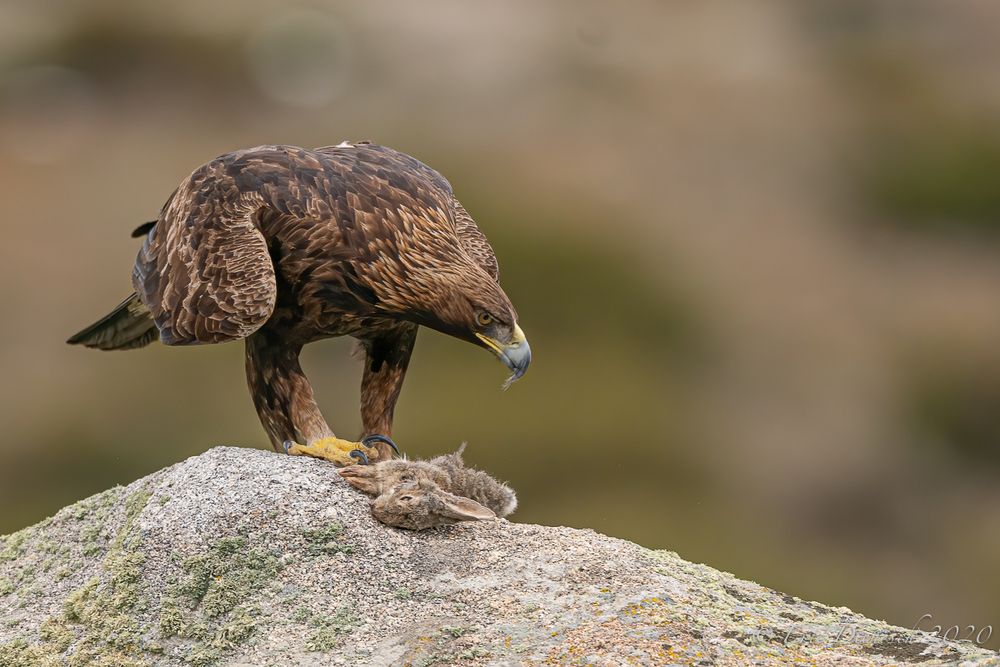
(465,302)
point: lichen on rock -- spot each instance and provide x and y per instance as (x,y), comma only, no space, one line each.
(243,557)
(209,604)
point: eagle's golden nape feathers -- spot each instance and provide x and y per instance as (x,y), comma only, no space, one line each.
(281,246)
(128,326)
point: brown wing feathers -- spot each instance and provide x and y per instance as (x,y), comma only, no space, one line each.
(205,272)
(350,221)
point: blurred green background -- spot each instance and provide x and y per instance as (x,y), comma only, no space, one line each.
(754,245)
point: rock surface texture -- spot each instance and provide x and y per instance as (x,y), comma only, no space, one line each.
(244,557)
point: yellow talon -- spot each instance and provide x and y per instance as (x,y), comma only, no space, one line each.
(335,450)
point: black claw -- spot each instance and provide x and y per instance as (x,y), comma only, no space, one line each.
(358,454)
(380,438)
(287,445)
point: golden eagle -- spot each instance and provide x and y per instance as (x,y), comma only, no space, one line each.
(282,246)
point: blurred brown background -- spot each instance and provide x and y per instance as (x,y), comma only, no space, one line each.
(754,245)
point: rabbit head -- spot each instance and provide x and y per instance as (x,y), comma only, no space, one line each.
(387,476)
(423,504)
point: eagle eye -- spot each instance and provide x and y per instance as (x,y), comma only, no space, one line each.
(484,319)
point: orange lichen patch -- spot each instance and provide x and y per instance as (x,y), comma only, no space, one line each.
(452,645)
(611,643)
(652,610)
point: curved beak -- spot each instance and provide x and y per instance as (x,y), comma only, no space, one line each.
(515,354)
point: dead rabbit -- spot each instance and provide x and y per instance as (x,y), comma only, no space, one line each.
(423,494)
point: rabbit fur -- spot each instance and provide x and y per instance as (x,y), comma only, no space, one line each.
(424,494)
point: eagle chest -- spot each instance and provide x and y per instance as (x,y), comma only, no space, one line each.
(323,298)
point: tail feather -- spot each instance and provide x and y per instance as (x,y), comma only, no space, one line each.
(129,325)
(143,229)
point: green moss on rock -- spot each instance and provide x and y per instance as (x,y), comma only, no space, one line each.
(93,512)
(326,540)
(101,612)
(209,604)
(55,633)
(19,653)
(328,629)
(241,625)
(13,544)
(96,627)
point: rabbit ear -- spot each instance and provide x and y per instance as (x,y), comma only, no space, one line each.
(361,477)
(460,508)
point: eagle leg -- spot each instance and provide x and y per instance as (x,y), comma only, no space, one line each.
(288,410)
(387,355)
(337,451)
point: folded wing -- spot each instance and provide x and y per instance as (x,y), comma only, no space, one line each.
(204,271)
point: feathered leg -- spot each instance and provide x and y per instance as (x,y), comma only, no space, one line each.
(386,359)
(286,407)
